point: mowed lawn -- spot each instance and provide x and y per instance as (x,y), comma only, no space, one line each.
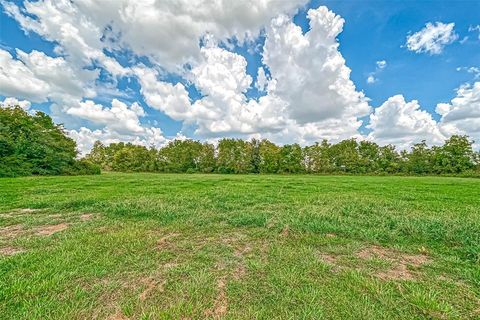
(166,246)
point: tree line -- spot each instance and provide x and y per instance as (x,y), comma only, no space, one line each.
(34,145)
(455,156)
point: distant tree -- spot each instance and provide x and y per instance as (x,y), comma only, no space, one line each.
(291,159)
(256,159)
(132,158)
(345,156)
(234,156)
(318,158)
(269,155)
(98,155)
(206,161)
(369,157)
(389,160)
(455,156)
(420,159)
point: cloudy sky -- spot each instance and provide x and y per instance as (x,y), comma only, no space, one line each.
(148,71)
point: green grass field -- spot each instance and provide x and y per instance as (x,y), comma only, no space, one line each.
(152,246)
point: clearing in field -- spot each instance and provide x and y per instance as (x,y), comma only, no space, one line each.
(152,246)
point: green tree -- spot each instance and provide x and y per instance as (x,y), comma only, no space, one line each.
(291,159)
(389,160)
(234,156)
(420,159)
(345,156)
(318,158)
(34,144)
(269,155)
(455,156)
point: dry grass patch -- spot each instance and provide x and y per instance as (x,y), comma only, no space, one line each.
(48,230)
(86,216)
(151,284)
(12,231)
(220,305)
(10,251)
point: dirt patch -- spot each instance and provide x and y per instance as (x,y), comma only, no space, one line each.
(240,252)
(220,306)
(18,213)
(285,231)
(328,258)
(117,316)
(400,262)
(10,251)
(150,285)
(331,260)
(86,216)
(28,210)
(330,235)
(170,265)
(239,272)
(51,229)
(12,231)
(165,241)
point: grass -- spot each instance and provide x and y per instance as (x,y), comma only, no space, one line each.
(153,246)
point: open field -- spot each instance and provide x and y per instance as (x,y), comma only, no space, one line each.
(152,246)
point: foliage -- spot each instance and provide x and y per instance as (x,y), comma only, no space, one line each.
(455,157)
(33,144)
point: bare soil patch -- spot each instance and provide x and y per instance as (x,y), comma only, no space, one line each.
(86,216)
(165,241)
(401,263)
(28,210)
(10,251)
(328,258)
(48,230)
(151,285)
(117,316)
(220,306)
(285,231)
(12,231)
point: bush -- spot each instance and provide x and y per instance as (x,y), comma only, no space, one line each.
(82,167)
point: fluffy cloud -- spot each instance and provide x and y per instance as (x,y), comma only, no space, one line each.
(38,77)
(11,102)
(381,64)
(262,80)
(309,72)
(432,38)
(462,114)
(306,93)
(78,36)
(371,79)
(402,123)
(85,138)
(83,29)
(119,118)
(18,80)
(309,95)
(475,29)
(120,122)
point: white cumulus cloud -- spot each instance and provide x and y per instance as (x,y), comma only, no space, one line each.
(12,102)
(432,38)
(462,114)
(402,124)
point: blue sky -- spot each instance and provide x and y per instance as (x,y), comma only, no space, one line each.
(200,82)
